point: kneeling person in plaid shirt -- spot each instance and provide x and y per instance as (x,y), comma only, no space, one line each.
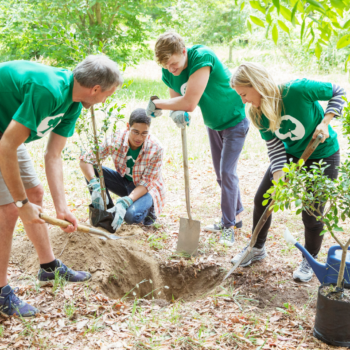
(137,157)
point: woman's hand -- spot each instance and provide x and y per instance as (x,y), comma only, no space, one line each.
(278,174)
(322,128)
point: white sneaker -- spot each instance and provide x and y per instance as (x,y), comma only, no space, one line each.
(214,228)
(227,237)
(255,255)
(304,272)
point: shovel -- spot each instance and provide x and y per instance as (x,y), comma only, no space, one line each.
(82,228)
(307,153)
(189,229)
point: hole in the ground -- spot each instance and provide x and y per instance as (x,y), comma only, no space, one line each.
(123,267)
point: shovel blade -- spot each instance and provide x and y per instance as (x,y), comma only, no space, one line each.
(188,236)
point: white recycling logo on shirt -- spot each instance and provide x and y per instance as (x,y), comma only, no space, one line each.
(128,170)
(296,130)
(48,124)
(183,89)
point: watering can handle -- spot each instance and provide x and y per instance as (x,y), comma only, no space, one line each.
(186,173)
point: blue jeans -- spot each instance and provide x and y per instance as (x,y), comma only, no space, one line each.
(226,147)
(141,210)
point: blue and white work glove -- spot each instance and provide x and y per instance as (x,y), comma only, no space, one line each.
(97,200)
(152,110)
(119,211)
(180,118)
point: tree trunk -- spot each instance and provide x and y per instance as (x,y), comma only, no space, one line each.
(342,265)
(230,53)
(98,13)
(99,169)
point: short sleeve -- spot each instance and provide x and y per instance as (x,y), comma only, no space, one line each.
(201,61)
(38,103)
(165,78)
(67,125)
(316,90)
(265,133)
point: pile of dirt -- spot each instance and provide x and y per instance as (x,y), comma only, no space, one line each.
(121,266)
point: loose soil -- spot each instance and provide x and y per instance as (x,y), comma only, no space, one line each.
(326,290)
(127,266)
(121,266)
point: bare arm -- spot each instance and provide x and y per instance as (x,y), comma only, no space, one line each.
(138,192)
(88,170)
(195,88)
(54,174)
(173,93)
(13,137)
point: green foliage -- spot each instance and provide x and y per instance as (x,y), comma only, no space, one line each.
(112,113)
(67,31)
(210,22)
(317,22)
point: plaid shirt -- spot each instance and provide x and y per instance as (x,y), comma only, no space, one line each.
(147,170)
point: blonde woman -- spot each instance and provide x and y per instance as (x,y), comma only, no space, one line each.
(288,116)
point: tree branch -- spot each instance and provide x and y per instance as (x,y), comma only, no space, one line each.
(112,18)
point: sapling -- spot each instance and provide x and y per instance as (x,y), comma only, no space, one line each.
(90,137)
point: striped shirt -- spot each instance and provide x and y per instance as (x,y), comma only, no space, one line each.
(147,169)
(275,147)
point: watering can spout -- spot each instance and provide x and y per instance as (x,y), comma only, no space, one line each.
(319,269)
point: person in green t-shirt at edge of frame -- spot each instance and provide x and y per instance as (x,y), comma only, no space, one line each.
(195,76)
(137,178)
(37,100)
(288,116)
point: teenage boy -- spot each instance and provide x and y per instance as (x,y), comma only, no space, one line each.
(195,76)
(137,180)
(37,100)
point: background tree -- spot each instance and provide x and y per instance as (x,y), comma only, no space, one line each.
(318,23)
(210,22)
(66,31)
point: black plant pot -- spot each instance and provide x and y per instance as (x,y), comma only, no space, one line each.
(101,218)
(332,323)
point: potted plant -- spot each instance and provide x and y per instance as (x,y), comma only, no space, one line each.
(90,137)
(309,190)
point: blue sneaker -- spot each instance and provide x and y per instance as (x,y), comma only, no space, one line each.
(11,305)
(65,272)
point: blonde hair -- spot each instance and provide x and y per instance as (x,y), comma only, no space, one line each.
(168,44)
(253,75)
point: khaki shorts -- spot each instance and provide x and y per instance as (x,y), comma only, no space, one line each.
(28,175)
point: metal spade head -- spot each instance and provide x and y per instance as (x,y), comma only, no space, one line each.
(119,237)
(188,236)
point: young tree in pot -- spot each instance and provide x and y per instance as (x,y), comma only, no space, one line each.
(90,138)
(310,190)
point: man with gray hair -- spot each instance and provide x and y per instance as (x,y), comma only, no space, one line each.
(37,100)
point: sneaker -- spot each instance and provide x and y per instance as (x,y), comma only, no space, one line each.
(11,305)
(304,272)
(227,237)
(219,227)
(255,255)
(68,274)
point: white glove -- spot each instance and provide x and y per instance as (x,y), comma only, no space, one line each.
(180,118)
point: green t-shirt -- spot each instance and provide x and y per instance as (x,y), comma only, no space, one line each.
(131,157)
(221,106)
(300,116)
(39,97)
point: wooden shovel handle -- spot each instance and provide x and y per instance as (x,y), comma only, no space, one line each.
(310,148)
(62,223)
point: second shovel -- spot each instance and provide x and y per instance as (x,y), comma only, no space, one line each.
(189,229)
